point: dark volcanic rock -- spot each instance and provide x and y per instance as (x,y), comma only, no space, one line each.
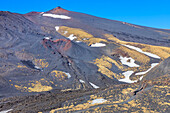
(162,69)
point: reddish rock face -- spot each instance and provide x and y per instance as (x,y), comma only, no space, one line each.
(63,44)
(32,13)
(58,10)
(59,45)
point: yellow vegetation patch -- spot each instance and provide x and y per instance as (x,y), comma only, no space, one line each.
(112,38)
(65,90)
(140,104)
(77,107)
(168,94)
(94,40)
(21,66)
(164,103)
(162,86)
(118,64)
(128,90)
(104,65)
(136,55)
(38,87)
(80,34)
(18,87)
(93,97)
(163,52)
(59,75)
(119,97)
(42,63)
(34,86)
(132,103)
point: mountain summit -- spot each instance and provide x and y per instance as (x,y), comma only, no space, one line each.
(58,10)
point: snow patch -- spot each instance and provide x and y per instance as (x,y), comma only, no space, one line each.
(98,101)
(68,75)
(81,81)
(141,78)
(141,51)
(69,64)
(38,68)
(131,63)
(47,38)
(78,41)
(57,28)
(94,86)
(98,45)
(65,32)
(127,74)
(6,111)
(72,37)
(57,16)
(152,66)
(85,38)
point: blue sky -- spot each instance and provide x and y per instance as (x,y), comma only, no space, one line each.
(152,13)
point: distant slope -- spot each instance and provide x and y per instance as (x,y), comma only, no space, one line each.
(98,26)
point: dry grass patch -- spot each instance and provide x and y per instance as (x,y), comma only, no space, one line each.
(58,75)
(42,63)
(81,35)
(163,52)
(38,87)
(143,59)
(105,64)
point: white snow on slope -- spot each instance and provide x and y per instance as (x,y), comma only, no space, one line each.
(69,64)
(141,51)
(85,38)
(57,16)
(47,38)
(6,111)
(78,41)
(94,86)
(152,66)
(57,28)
(98,45)
(65,32)
(141,78)
(127,74)
(98,101)
(68,75)
(81,81)
(131,63)
(37,67)
(72,37)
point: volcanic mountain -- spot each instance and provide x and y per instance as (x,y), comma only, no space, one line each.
(65,61)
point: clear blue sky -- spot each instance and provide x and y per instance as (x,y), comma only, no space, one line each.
(153,13)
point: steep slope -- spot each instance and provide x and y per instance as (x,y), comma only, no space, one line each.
(161,70)
(17,29)
(64,61)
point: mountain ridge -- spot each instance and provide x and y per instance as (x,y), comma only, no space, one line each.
(64,11)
